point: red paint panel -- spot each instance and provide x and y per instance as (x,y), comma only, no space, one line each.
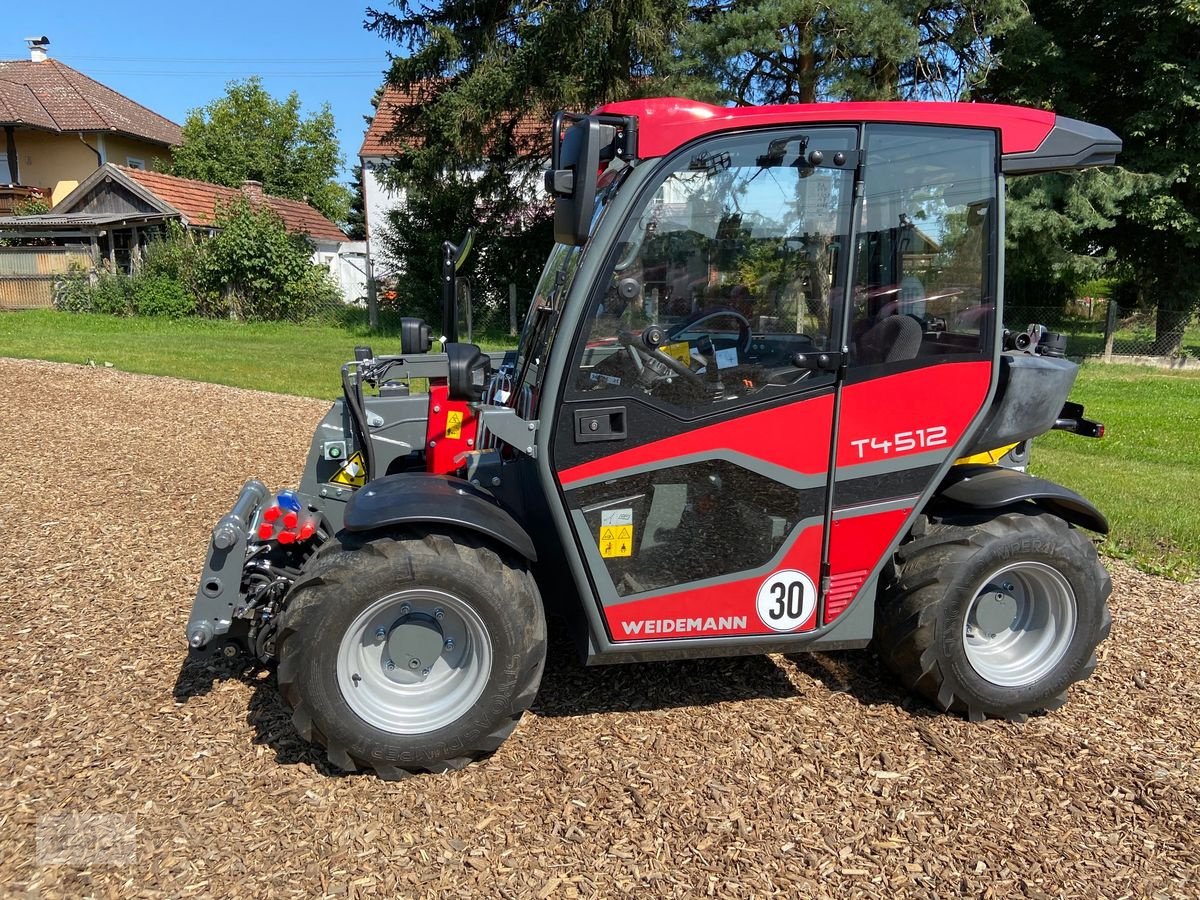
(445,446)
(911,412)
(731,608)
(795,436)
(856,544)
(667,123)
(842,589)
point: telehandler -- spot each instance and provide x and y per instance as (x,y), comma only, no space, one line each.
(763,402)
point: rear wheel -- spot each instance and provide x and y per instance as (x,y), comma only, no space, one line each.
(995,618)
(411,653)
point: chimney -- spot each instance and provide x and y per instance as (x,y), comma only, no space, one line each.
(252,189)
(37,48)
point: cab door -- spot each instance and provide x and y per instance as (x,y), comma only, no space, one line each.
(690,449)
(921,335)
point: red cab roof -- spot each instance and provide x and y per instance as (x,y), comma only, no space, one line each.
(665,123)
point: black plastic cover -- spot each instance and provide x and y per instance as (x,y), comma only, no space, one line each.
(992,487)
(1071,144)
(468,371)
(1028,400)
(415,335)
(422,497)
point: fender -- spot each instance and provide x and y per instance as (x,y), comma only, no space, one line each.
(432,499)
(990,487)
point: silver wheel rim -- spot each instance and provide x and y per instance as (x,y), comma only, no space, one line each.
(396,695)
(1020,624)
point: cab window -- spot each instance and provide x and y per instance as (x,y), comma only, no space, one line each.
(730,265)
(924,266)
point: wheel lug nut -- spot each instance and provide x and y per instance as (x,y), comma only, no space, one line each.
(390,665)
(380,632)
(449,643)
(405,609)
(424,671)
(438,614)
(414,664)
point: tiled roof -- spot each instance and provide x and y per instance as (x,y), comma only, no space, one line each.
(530,133)
(198,202)
(53,96)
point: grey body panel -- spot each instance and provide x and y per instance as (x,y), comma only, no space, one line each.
(1071,144)
(434,500)
(993,487)
(220,584)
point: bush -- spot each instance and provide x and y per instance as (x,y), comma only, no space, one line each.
(252,268)
(111,295)
(73,291)
(158,295)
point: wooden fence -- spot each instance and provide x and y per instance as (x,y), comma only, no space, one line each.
(27,274)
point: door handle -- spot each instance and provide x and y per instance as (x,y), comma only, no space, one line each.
(605,424)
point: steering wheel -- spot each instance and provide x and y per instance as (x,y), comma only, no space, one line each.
(703,315)
(649,360)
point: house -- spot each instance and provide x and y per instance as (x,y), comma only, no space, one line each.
(59,126)
(117,209)
(381,144)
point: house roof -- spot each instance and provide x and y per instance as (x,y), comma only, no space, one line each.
(530,132)
(197,202)
(52,96)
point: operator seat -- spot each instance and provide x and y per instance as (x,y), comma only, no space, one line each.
(892,339)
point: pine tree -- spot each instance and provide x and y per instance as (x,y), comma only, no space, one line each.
(789,51)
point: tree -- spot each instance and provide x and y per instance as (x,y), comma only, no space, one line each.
(356,218)
(1132,67)
(802,51)
(249,135)
(479,73)
(484,73)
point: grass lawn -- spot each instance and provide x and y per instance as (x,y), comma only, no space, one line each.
(281,357)
(1144,475)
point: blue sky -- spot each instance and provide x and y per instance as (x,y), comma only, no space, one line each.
(173,56)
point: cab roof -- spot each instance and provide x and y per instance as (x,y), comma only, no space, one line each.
(1030,139)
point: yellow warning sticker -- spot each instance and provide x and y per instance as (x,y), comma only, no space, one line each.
(353,472)
(454,424)
(681,351)
(616,540)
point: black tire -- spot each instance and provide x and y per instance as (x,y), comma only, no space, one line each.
(327,600)
(921,628)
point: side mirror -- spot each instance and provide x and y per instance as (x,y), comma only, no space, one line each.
(575,185)
(415,336)
(468,371)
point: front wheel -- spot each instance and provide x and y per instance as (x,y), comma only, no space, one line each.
(411,653)
(996,618)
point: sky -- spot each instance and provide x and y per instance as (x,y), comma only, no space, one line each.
(173,57)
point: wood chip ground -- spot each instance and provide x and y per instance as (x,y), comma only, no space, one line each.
(755,777)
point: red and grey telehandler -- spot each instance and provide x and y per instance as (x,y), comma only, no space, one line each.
(764,401)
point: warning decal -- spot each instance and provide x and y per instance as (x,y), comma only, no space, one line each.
(454,424)
(616,533)
(680,351)
(352,473)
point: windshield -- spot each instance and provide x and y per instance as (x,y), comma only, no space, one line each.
(541,323)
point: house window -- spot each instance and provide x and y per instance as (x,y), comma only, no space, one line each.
(134,163)
(5,172)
